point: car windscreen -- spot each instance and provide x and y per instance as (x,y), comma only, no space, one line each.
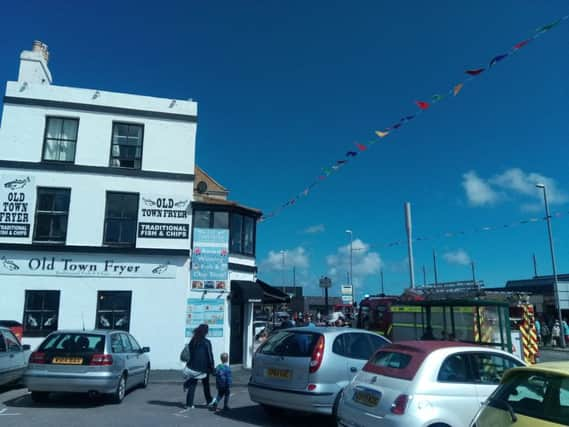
(395,363)
(73,343)
(536,395)
(290,344)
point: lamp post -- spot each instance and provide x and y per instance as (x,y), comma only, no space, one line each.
(351,264)
(554,266)
(283,270)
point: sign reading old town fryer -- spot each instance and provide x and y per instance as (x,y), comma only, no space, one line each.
(17,204)
(163,217)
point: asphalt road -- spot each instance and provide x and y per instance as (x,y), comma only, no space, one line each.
(158,405)
(553,355)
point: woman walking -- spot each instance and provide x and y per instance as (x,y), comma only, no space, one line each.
(200,365)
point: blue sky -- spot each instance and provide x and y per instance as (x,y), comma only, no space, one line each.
(286,87)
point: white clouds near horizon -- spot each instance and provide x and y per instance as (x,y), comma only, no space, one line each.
(457,257)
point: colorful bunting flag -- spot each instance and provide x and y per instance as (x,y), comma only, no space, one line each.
(422,105)
(411,117)
(521,44)
(456,89)
(351,154)
(381,134)
(497,59)
(437,98)
(548,27)
(361,147)
(340,162)
(475,72)
(396,126)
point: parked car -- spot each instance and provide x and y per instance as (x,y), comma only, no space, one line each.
(423,383)
(16,328)
(305,369)
(98,361)
(13,357)
(529,397)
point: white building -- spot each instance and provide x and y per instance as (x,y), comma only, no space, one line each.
(96,192)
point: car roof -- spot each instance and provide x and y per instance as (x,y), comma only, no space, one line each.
(427,346)
(326,330)
(87,331)
(559,368)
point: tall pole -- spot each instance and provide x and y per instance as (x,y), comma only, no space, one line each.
(553,265)
(294,279)
(474,274)
(382,288)
(283,271)
(435,267)
(409,228)
(351,264)
(534,266)
(424,275)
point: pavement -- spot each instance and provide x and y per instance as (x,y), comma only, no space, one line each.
(173,376)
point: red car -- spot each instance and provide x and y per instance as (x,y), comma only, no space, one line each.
(16,328)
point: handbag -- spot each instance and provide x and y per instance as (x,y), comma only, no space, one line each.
(185,354)
(190,374)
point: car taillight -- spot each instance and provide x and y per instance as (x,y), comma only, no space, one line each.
(101,360)
(37,357)
(400,404)
(317,354)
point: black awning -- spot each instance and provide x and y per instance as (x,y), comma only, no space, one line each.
(245,291)
(272,295)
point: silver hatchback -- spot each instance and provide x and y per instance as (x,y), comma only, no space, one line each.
(305,369)
(98,361)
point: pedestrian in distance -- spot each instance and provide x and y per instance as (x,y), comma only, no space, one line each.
(545,332)
(223,382)
(565,330)
(199,365)
(538,330)
(555,334)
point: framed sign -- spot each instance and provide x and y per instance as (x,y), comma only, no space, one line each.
(17,205)
(163,217)
(210,256)
(209,312)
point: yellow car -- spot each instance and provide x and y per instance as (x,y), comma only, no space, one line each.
(533,396)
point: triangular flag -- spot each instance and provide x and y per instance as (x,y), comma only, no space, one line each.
(396,126)
(410,117)
(474,72)
(326,171)
(457,89)
(436,98)
(361,147)
(321,177)
(381,134)
(292,202)
(422,105)
(335,167)
(521,44)
(351,154)
(305,192)
(497,59)
(547,27)
(340,162)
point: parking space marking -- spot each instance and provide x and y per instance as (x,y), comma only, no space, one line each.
(4,414)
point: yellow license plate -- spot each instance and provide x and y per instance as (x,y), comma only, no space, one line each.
(281,374)
(67,360)
(366,398)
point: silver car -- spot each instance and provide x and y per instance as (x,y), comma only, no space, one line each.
(305,369)
(98,361)
(13,357)
(423,384)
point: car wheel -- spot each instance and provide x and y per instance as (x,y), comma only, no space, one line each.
(336,404)
(146,377)
(118,395)
(39,396)
(273,411)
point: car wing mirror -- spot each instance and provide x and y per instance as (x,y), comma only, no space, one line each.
(26,347)
(145,350)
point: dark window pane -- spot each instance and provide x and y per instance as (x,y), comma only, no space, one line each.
(235,233)
(126,147)
(41,311)
(454,369)
(60,139)
(121,218)
(248,235)
(113,310)
(45,200)
(221,220)
(201,219)
(51,215)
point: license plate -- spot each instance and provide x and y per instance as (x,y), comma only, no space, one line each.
(67,360)
(280,374)
(366,398)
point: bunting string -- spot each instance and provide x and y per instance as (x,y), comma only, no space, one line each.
(422,105)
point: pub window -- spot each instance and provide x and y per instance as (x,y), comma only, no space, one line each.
(221,220)
(126,146)
(52,211)
(60,139)
(41,313)
(202,219)
(120,219)
(248,235)
(235,234)
(113,310)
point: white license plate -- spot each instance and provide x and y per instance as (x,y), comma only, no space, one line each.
(280,374)
(367,398)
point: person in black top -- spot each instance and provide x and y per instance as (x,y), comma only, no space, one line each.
(201,362)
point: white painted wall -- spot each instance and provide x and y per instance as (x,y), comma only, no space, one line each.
(157,312)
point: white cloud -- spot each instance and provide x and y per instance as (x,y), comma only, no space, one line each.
(478,191)
(296,257)
(315,229)
(459,257)
(364,262)
(511,183)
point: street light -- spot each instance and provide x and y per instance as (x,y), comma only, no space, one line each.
(555,284)
(351,264)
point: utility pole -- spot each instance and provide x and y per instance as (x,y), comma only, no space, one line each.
(409,228)
(351,264)
(424,275)
(534,266)
(283,271)
(382,288)
(474,275)
(435,267)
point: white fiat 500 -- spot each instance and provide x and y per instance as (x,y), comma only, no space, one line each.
(423,384)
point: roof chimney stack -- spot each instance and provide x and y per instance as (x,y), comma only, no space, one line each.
(33,65)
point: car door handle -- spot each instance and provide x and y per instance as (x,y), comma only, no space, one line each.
(11,356)
(353,369)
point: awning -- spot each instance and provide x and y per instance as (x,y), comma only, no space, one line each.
(245,291)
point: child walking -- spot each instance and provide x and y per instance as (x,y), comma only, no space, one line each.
(223,383)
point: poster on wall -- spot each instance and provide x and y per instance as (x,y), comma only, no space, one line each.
(210,256)
(163,217)
(17,205)
(210,312)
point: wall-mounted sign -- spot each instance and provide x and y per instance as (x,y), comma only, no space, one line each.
(346,290)
(210,256)
(209,312)
(83,265)
(163,217)
(17,205)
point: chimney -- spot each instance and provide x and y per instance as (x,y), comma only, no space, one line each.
(33,65)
